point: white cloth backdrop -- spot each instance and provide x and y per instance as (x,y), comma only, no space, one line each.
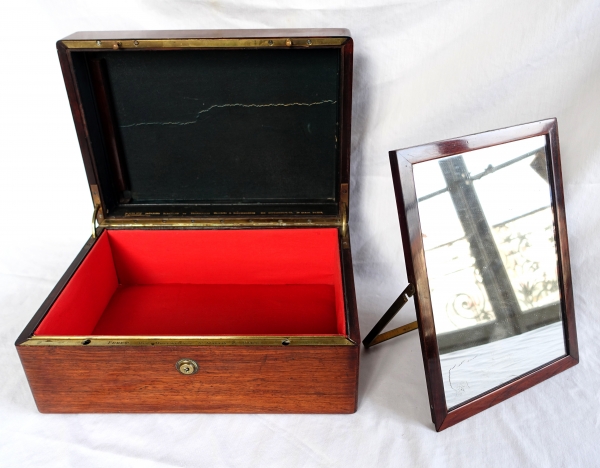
(424,71)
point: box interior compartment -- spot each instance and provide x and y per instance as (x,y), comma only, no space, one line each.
(204,282)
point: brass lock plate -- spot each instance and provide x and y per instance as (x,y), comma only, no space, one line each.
(187,366)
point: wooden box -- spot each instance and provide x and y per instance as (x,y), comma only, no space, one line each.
(219,275)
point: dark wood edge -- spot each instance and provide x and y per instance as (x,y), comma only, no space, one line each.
(206,34)
(352,324)
(47,304)
(347,51)
(414,255)
(561,239)
(401,164)
(100,85)
(440,149)
(352,327)
(66,66)
(506,391)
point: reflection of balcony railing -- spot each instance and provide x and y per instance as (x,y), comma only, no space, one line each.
(533,279)
(518,290)
(532,270)
(494,226)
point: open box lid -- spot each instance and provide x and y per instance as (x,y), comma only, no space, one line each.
(213,126)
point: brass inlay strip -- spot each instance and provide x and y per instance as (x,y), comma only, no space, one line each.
(188,341)
(136,222)
(116,44)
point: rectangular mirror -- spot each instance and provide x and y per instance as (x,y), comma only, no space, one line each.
(484,233)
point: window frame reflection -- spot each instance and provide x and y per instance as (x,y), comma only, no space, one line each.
(488,306)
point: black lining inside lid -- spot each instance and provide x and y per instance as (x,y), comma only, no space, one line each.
(217,131)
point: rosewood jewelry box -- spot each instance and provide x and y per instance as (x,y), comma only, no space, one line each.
(218,277)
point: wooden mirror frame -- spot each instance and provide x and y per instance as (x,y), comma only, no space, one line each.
(402,162)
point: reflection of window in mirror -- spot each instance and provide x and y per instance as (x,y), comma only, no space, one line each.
(488,234)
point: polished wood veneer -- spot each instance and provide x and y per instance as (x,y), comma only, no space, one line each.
(235,379)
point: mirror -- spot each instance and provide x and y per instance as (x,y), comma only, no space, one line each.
(485,242)
(492,264)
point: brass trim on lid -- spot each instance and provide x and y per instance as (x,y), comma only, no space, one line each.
(329,340)
(201,221)
(211,222)
(204,43)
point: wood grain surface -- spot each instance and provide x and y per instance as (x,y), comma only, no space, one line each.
(231,379)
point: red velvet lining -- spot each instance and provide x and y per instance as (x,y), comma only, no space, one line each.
(201,282)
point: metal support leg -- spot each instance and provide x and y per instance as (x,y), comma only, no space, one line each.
(374,337)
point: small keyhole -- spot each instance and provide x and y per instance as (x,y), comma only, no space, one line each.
(186,367)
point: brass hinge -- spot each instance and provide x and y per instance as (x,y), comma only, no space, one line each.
(344,193)
(345,236)
(96,199)
(98,215)
(94,217)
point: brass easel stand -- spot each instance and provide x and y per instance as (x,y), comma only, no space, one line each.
(374,336)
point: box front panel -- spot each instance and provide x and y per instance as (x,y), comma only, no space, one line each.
(230,379)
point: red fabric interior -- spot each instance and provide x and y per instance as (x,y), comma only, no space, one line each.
(204,282)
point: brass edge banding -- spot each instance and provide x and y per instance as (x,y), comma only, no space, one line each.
(188,341)
(217,222)
(116,44)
